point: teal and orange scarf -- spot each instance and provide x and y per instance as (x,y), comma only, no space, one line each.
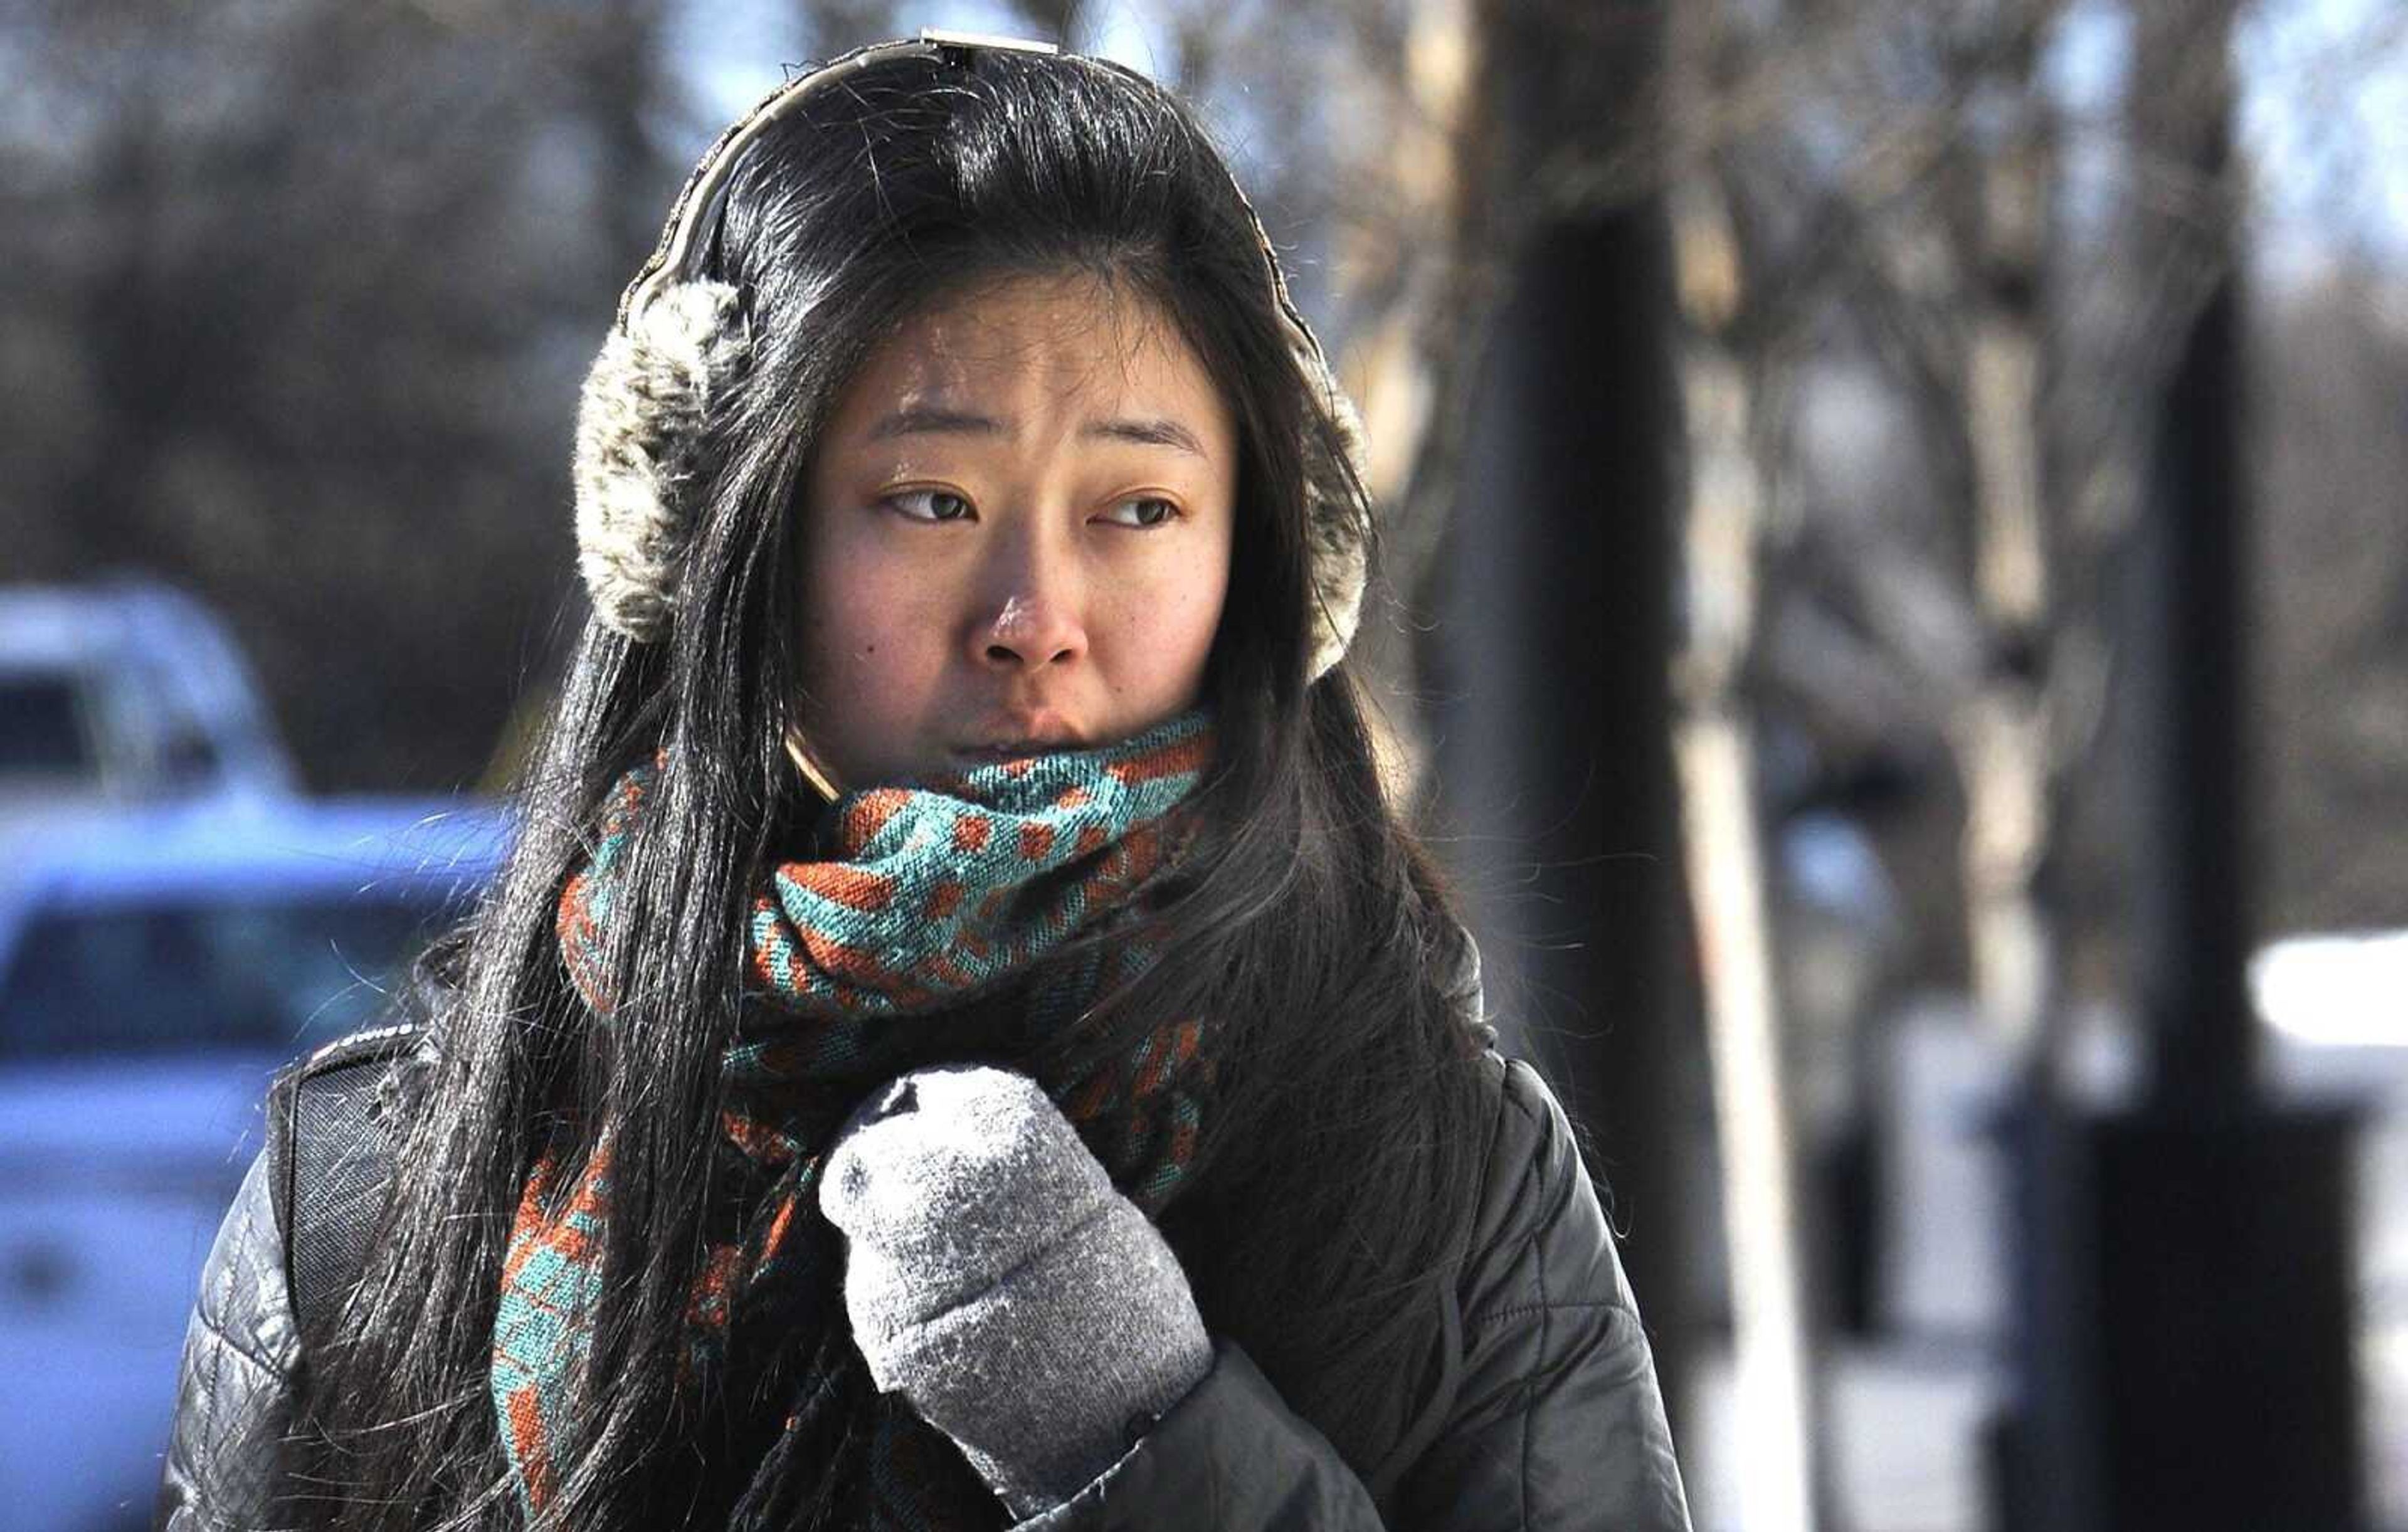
(930,897)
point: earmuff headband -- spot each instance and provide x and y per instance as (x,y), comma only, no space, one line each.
(697,201)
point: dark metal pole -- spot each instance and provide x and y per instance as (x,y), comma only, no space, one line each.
(2191,1277)
(2192,925)
(1547,672)
(2224,1240)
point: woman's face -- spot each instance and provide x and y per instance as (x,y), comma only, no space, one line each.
(1016,534)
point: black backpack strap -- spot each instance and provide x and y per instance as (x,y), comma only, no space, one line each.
(330,1158)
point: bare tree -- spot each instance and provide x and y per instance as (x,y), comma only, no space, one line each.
(311,283)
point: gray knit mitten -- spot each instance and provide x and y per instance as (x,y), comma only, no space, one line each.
(997,1281)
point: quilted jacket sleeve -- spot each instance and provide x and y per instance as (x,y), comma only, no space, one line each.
(234,1399)
(1547,1419)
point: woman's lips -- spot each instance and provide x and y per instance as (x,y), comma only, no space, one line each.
(1014,751)
(1021,735)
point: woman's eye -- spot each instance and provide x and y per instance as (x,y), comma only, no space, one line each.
(1143,511)
(930,505)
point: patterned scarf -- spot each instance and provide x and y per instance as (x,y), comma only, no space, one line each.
(934,898)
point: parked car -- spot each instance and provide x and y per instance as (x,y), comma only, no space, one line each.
(123,692)
(155,968)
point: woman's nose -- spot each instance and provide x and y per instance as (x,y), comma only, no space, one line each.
(1032,616)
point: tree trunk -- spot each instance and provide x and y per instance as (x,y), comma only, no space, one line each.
(1720,537)
(2001,735)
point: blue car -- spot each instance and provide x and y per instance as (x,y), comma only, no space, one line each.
(157,964)
(126,692)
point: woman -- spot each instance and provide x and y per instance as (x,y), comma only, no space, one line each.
(962,1040)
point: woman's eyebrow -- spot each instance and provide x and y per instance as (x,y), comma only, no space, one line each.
(929,421)
(1154,433)
(925,419)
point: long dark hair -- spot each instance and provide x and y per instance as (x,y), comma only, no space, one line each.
(1334,1188)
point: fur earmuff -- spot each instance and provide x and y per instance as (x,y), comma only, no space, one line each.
(641,421)
(1334,520)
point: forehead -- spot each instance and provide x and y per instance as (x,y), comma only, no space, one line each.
(1044,345)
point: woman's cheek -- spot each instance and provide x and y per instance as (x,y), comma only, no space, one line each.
(874,630)
(1168,633)
(859,603)
(882,596)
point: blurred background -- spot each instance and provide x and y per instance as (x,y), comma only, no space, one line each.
(1897,559)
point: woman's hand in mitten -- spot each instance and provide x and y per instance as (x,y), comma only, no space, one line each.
(996,1281)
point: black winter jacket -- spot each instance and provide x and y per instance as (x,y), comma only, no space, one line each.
(1548,1416)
